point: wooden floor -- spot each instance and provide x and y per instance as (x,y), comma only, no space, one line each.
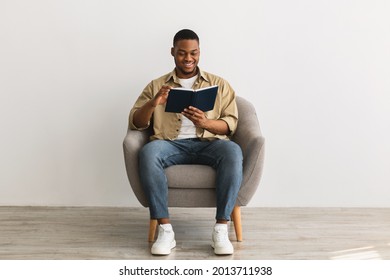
(121,233)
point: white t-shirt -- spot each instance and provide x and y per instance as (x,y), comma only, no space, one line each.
(188,129)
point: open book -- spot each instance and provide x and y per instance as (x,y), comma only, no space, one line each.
(181,98)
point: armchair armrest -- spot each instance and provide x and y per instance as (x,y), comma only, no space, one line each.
(249,137)
(132,144)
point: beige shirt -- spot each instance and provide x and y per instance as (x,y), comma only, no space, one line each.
(167,125)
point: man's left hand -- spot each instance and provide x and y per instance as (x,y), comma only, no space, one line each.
(198,117)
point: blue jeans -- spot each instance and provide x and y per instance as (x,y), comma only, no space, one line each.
(223,155)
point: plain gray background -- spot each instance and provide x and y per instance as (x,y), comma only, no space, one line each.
(317,72)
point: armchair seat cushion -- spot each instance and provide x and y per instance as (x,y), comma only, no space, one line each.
(191,176)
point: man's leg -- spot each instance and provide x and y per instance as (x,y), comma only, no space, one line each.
(226,158)
(153,159)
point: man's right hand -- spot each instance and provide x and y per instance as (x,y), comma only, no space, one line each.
(142,116)
(161,96)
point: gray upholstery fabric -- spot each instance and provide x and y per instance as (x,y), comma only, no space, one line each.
(193,185)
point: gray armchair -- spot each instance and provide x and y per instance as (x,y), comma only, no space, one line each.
(194,185)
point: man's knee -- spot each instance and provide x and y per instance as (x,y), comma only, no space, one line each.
(232,150)
(150,151)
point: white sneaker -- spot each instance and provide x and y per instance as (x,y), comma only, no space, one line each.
(220,240)
(165,241)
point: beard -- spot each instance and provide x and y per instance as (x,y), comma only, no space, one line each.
(187,72)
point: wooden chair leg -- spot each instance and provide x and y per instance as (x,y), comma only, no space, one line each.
(152,230)
(236,217)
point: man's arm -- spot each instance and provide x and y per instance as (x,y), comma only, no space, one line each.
(143,115)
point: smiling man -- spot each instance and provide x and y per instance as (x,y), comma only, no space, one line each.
(191,137)
(186,55)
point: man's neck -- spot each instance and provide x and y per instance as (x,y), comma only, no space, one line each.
(187,76)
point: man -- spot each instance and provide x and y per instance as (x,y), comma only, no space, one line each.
(192,137)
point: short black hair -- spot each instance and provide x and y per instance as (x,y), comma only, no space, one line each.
(185,34)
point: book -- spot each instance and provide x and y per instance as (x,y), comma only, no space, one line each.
(181,98)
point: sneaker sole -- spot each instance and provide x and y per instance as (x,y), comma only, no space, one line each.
(163,252)
(222,251)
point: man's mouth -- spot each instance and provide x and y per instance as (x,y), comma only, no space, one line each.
(188,65)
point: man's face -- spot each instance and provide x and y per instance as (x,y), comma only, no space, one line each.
(186,54)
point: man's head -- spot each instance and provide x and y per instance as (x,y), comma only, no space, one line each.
(185,34)
(186,53)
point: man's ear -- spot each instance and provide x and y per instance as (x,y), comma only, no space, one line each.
(173,51)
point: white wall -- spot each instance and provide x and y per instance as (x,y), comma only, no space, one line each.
(317,71)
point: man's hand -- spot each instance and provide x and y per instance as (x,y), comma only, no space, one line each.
(143,115)
(198,117)
(161,96)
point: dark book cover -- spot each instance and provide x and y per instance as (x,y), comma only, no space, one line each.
(181,98)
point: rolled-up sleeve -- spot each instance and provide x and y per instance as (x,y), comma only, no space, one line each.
(146,95)
(229,108)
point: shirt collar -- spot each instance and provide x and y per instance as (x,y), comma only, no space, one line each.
(173,76)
